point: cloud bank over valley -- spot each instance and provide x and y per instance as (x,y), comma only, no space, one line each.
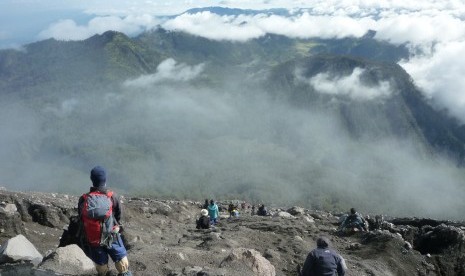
(161,135)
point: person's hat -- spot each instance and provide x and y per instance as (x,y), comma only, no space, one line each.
(322,242)
(98,176)
(204,212)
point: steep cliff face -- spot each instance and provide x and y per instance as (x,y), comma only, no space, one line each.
(162,240)
(374,100)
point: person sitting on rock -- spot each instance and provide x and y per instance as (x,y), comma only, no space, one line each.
(204,221)
(323,261)
(213,212)
(354,220)
(262,210)
(232,209)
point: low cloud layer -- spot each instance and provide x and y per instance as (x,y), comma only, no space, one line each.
(168,70)
(350,86)
(69,30)
(169,138)
(441,75)
(245,27)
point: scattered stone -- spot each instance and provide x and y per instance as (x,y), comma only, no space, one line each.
(354,246)
(296,211)
(10,209)
(283,214)
(19,249)
(69,260)
(192,270)
(271,254)
(252,259)
(308,219)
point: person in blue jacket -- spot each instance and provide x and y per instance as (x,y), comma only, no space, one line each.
(213,212)
(323,261)
(354,219)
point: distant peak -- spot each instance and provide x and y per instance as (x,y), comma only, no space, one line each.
(236,11)
(106,37)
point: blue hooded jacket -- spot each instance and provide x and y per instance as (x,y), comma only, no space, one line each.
(213,211)
(323,261)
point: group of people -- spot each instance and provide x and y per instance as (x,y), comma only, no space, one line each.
(209,215)
(99,211)
(322,260)
(325,261)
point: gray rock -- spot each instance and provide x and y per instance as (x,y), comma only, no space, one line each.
(296,211)
(19,249)
(251,259)
(309,220)
(271,254)
(69,260)
(283,214)
(191,270)
(9,209)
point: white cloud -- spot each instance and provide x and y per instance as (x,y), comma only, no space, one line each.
(168,70)
(243,27)
(65,108)
(70,30)
(213,26)
(418,28)
(350,86)
(441,76)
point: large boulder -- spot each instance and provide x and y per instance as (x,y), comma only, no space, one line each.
(69,260)
(10,220)
(46,215)
(296,211)
(440,239)
(249,262)
(19,249)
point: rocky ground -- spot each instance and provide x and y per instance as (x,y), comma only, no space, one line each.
(162,239)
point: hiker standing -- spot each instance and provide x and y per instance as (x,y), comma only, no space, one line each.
(100,213)
(213,212)
(323,261)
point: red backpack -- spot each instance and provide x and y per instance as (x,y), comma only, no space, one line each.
(97,218)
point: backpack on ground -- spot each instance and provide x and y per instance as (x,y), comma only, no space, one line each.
(97,217)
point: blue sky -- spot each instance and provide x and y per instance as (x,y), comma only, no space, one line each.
(434,30)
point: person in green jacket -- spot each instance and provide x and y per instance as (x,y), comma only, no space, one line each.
(213,212)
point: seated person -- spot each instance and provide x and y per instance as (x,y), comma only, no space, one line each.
(262,211)
(204,221)
(354,220)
